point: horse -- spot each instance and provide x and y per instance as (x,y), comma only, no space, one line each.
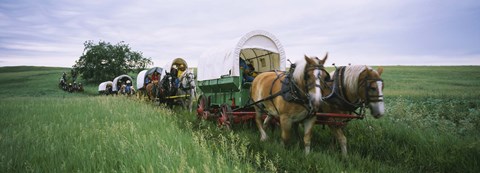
(300,92)
(166,88)
(187,88)
(353,87)
(151,90)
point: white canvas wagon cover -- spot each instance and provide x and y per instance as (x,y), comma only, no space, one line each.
(260,48)
(141,79)
(115,81)
(145,73)
(177,62)
(103,85)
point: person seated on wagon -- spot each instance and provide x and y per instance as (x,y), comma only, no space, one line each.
(252,73)
(128,86)
(174,73)
(147,80)
(246,71)
(155,76)
(181,70)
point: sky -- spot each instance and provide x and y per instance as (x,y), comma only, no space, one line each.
(392,32)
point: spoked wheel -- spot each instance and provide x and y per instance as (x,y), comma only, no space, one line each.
(202,108)
(226,117)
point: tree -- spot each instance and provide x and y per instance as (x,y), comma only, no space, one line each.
(103,61)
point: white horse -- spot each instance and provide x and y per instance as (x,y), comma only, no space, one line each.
(187,88)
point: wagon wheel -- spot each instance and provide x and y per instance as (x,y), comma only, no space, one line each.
(202,108)
(226,117)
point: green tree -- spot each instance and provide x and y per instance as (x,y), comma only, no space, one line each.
(104,61)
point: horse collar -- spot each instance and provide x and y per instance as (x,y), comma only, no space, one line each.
(338,94)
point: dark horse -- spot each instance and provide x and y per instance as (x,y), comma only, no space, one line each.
(166,88)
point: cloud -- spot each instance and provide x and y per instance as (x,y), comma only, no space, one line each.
(369,32)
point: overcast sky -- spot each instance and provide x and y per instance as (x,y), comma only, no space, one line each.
(392,32)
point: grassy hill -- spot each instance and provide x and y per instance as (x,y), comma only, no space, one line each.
(432,124)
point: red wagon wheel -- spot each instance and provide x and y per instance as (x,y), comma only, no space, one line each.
(226,117)
(202,108)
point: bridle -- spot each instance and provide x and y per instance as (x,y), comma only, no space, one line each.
(189,79)
(320,69)
(372,98)
(308,99)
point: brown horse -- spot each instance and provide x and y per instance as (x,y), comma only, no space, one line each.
(354,88)
(151,90)
(303,84)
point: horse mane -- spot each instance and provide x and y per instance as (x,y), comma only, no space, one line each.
(298,73)
(352,75)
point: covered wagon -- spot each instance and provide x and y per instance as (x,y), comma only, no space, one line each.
(105,87)
(177,86)
(222,80)
(119,81)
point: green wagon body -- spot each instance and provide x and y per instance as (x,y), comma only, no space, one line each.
(226,90)
(220,78)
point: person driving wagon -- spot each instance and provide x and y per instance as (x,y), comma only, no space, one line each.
(128,86)
(155,77)
(248,71)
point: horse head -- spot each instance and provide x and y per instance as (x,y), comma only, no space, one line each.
(310,75)
(373,91)
(165,85)
(188,80)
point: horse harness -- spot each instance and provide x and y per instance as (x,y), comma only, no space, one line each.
(338,95)
(290,90)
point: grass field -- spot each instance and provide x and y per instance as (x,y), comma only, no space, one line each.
(431,124)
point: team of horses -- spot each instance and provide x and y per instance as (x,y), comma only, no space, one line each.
(167,91)
(296,96)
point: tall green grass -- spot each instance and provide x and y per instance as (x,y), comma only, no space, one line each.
(100,134)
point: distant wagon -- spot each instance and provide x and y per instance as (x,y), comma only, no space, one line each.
(177,86)
(144,78)
(222,79)
(119,81)
(105,87)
